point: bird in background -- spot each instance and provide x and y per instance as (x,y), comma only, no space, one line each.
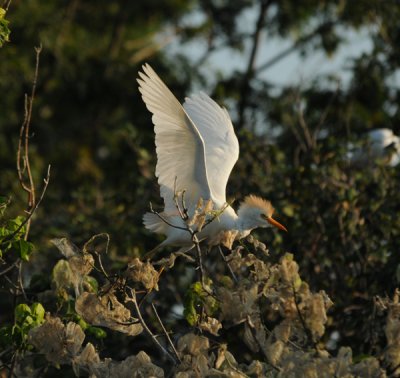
(380,144)
(196,150)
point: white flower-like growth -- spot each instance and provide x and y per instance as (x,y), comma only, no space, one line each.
(196,151)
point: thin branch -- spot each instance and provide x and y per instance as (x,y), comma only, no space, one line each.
(301,41)
(165,332)
(102,270)
(133,299)
(254,334)
(325,113)
(181,209)
(12,266)
(6,5)
(228,265)
(264,4)
(85,246)
(199,260)
(24,139)
(165,220)
(20,280)
(30,214)
(303,124)
(303,323)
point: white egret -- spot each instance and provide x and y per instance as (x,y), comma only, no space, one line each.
(380,144)
(196,150)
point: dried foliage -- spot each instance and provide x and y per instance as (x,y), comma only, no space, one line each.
(271,310)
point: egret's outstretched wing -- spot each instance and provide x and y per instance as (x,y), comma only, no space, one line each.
(179,145)
(220,142)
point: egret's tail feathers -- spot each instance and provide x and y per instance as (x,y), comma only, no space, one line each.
(154,223)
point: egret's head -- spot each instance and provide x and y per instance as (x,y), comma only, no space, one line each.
(257,212)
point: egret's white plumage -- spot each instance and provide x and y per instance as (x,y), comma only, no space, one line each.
(380,144)
(196,149)
(384,144)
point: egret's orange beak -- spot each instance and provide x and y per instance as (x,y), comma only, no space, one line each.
(273,222)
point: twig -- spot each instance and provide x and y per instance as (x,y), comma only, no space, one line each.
(165,220)
(182,210)
(146,328)
(166,333)
(254,334)
(20,281)
(301,41)
(264,4)
(85,246)
(27,219)
(199,260)
(5,7)
(12,266)
(101,265)
(303,323)
(325,113)
(303,124)
(228,265)
(216,215)
(94,237)
(24,139)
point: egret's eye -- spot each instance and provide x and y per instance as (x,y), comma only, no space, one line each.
(263,216)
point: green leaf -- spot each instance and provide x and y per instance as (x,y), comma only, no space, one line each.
(4,30)
(21,312)
(97,332)
(38,312)
(6,336)
(25,249)
(92,282)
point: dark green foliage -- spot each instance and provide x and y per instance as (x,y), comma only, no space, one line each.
(4,30)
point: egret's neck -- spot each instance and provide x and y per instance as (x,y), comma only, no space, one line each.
(245,221)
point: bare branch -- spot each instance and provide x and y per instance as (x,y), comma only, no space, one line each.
(227,264)
(165,332)
(254,334)
(6,5)
(301,41)
(30,214)
(11,267)
(133,299)
(303,323)
(303,124)
(165,220)
(264,4)
(23,146)
(20,280)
